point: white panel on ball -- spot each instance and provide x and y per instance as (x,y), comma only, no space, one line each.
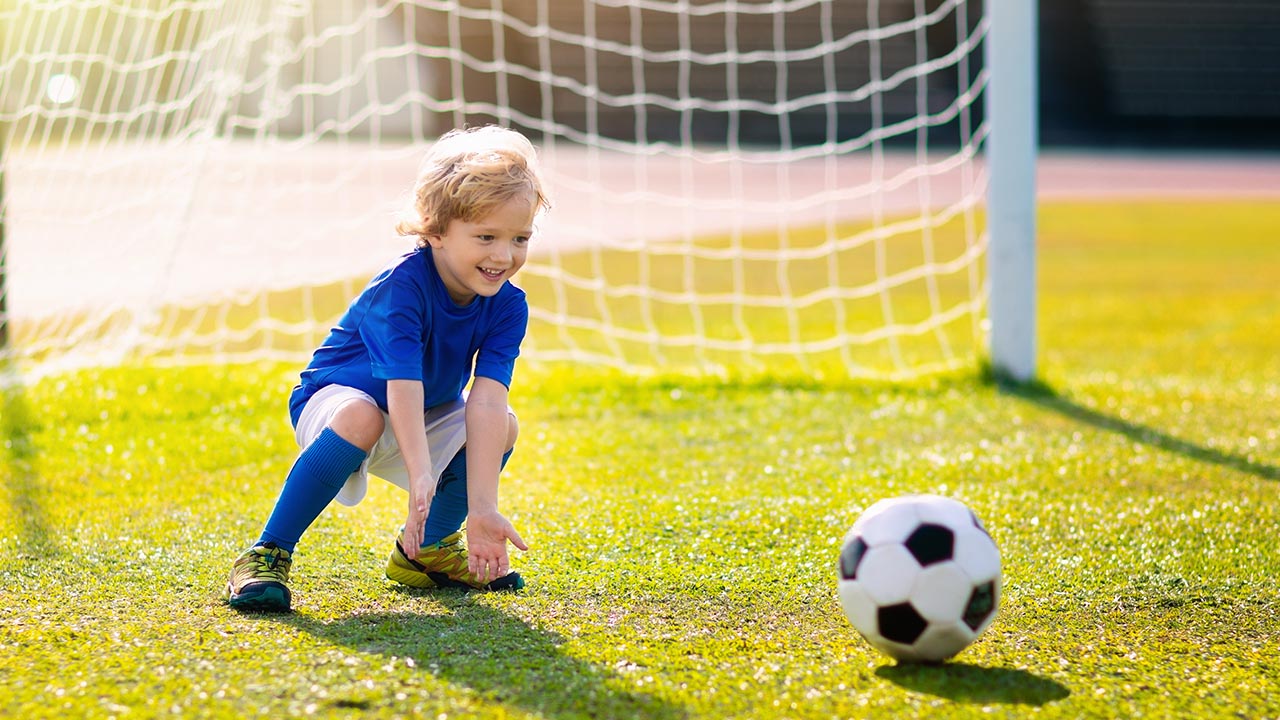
(976,553)
(881,574)
(891,522)
(940,642)
(860,608)
(933,596)
(944,511)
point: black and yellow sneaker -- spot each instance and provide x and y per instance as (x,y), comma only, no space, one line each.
(259,579)
(443,564)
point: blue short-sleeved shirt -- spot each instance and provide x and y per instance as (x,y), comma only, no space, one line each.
(404,326)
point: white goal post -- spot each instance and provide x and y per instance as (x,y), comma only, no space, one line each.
(1011,198)
(843,188)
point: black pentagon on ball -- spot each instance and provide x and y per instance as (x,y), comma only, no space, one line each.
(900,623)
(851,556)
(931,544)
(982,601)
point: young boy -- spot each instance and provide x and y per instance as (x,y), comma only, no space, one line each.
(384,394)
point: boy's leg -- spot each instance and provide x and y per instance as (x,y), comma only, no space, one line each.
(314,480)
(449,506)
(259,576)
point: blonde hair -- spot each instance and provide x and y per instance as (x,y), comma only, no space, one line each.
(467,174)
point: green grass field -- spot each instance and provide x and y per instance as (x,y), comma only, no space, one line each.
(684,533)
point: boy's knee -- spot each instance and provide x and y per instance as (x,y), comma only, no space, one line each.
(359,423)
(513,431)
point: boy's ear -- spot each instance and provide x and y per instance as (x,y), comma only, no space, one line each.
(435,241)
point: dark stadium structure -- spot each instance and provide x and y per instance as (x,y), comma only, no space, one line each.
(1134,73)
(1160,73)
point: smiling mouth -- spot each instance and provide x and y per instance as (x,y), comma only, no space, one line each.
(492,274)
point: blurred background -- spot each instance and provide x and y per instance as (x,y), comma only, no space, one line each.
(1113,73)
(740,178)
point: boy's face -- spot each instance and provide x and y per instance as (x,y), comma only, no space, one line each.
(476,258)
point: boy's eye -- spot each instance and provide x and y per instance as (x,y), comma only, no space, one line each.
(521,240)
(486,238)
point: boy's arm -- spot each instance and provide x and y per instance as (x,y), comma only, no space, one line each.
(404,405)
(487,529)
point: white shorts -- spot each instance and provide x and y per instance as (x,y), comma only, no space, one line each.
(446,434)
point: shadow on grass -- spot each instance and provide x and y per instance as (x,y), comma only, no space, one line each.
(975,684)
(499,657)
(1048,398)
(21,479)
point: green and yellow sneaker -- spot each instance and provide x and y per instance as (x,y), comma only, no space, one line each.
(258,579)
(443,564)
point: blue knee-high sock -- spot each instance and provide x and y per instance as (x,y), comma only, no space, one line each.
(449,506)
(313,482)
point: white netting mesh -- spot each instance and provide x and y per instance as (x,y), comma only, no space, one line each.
(737,184)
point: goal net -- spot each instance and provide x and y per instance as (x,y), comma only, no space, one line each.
(737,185)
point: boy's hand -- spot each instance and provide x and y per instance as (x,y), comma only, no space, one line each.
(487,536)
(419,503)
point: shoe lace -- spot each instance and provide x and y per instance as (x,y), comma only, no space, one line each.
(454,547)
(455,557)
(270,566)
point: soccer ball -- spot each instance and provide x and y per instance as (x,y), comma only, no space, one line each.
(919,577)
